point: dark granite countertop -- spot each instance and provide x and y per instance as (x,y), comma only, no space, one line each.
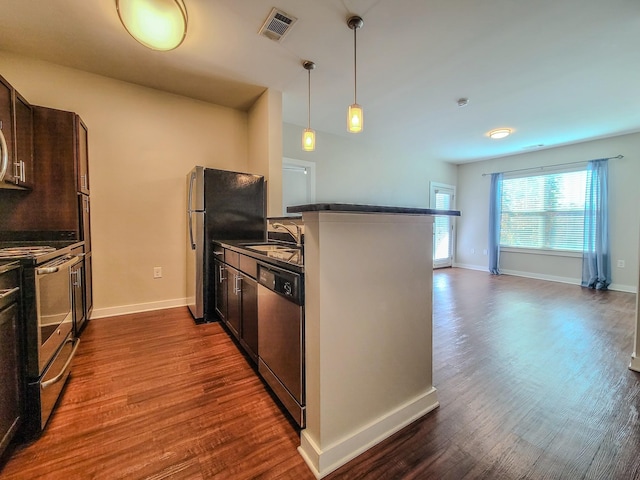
(355,208)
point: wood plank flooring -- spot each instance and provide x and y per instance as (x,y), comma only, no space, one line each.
(532,380)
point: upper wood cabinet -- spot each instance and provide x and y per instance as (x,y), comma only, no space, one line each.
(23,161)
(6,126)
(16,122)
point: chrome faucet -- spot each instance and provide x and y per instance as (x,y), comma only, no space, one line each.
(297,236)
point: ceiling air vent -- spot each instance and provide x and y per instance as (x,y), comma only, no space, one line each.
(277,25)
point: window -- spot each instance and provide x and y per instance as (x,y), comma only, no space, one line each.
(544,211)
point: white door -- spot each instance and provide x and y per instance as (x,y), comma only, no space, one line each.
(298,183)
(442,198)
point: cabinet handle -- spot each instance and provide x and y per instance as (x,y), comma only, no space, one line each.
(77,279)
(237,289)
(85,200)
(83,181)
(221,276)
(18,174)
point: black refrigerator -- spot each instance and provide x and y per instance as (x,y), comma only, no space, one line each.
(221,205)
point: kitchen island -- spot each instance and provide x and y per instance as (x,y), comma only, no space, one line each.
(368,326)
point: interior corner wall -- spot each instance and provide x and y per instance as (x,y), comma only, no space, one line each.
(142,144)
(265,146)
(624,198)
(351,170)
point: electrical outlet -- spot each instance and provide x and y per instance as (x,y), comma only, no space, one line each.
(473,250)
(620,263)
(485,251)
(157,272)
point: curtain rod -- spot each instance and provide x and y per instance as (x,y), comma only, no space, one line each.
(550,166)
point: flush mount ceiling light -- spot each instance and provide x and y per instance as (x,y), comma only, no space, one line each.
(499,133)
(355,117)
(308,136)
(156,24)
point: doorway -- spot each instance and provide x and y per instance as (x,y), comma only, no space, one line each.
(298,183)
(442,197)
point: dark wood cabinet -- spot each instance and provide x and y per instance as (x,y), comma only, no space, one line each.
(10,372)
(220,275)
(234,301)
(237,299)
(6,126)
(88,285)
(77,294)
(85,220)
(24,168)
(16,123)
(59,206)
(249,299)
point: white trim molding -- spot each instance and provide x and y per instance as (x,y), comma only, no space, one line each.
(323,462)
(137,308)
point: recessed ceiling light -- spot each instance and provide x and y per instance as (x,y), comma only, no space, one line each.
(499,133)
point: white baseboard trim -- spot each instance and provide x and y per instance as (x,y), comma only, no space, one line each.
(137,308)
(323,462)
(542,276)
(623,288)
(635,363)
(468,266)
(551,278)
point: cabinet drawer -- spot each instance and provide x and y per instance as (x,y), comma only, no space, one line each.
(10,279)
(232,258)
(249,266)
(218,253)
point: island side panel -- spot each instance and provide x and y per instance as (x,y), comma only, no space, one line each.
(369,330)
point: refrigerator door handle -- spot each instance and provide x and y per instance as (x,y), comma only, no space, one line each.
(189,211)
(190,197)
(193,245)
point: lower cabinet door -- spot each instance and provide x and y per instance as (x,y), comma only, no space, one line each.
(9,376)
(221,279)
(250,317)
(234,301)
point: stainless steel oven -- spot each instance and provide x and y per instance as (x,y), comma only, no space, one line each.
(52,346)
(47,319)
(53,307)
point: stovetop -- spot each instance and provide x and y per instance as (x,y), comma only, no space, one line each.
(19,252)
(35,252)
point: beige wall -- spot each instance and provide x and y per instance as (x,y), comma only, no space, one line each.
(142,143)
(624,198)
(350,171)
(265,146)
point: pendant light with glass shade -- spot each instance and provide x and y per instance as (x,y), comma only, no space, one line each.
(156,24)
(309,136)
(355,117)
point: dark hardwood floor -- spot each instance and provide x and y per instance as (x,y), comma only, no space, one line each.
(532,380)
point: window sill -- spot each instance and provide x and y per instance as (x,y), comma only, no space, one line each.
(540,251)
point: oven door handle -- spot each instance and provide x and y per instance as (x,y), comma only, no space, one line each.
(6,293)
(47,270)
(58,377)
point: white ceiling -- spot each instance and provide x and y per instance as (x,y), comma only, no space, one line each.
(555,71)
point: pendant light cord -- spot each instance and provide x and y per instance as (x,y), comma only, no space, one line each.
(309,101)
(355,68)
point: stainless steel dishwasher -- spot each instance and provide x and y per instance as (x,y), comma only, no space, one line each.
(281,337)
